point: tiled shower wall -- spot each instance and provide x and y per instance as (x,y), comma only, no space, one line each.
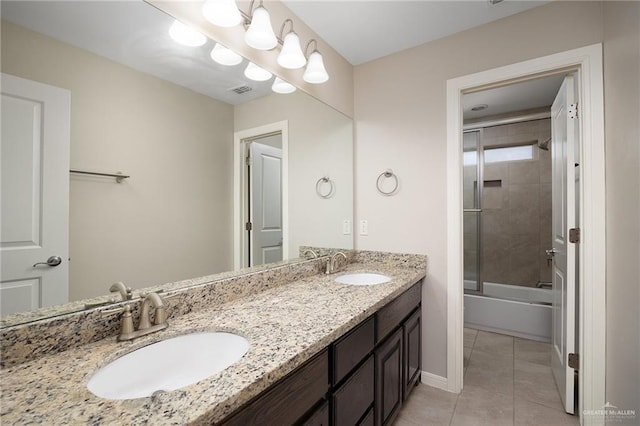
(516,217)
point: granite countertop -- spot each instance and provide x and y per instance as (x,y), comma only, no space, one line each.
(285,326)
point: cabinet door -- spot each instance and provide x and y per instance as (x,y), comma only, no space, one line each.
(412,352)
(388,359)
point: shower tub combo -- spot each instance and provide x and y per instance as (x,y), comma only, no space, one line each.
(513,310)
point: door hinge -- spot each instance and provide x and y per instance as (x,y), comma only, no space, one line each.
(573,110)
(574,361)
(574,235)
(248,226)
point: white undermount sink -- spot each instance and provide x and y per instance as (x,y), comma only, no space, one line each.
(168,365)
(363,278)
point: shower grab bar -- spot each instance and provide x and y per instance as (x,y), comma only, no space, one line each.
(472,210)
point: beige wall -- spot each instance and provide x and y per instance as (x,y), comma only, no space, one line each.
(320,144)
(337,92)
(404,128)
(622,133)
(172,219)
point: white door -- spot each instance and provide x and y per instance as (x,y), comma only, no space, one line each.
(563,143)
(35,195)
(265,204)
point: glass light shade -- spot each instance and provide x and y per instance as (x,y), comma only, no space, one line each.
(223,13)
(281,86)
(260,33)
(225,56)
(315,72)
(185,35)
(255,73)
(291,55)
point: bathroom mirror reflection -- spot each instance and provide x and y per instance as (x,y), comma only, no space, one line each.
(169,117)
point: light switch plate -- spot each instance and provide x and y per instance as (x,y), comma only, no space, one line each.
(364,227)
(346,227)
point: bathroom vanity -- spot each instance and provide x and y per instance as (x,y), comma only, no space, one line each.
(321,352)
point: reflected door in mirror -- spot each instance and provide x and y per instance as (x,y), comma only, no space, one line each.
(35,195)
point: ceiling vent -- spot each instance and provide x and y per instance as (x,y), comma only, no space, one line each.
(494,2)
(241,89)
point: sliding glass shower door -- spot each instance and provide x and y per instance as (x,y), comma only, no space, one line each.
(472,205)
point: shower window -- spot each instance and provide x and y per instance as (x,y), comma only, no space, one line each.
(509,153)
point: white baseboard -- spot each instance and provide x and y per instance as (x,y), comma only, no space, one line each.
(435,381)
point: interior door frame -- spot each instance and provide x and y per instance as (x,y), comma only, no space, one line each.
(240,187)
(587,61)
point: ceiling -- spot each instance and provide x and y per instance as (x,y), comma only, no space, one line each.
(362,31)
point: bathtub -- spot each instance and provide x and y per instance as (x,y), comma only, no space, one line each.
(513,310)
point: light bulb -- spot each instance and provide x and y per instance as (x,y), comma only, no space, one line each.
(315,72)
(223,13)
(225,56)
(260,33)
(281,86)
(291,55)
(255,73)
(185,35)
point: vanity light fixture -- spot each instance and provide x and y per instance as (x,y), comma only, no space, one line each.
(255,73)
(186,35)
(225,56)
(281,86)
(223,13)
(315,72)
(260,34)
(291,56)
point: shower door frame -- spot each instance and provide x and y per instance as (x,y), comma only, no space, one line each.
(480,184)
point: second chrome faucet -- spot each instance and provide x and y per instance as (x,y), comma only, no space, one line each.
(332,262)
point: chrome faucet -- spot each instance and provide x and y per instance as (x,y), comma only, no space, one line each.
(313,254)
(331,262)
(128,331)
(125,292)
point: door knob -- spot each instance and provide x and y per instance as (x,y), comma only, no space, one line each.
(552,252)
(52,261)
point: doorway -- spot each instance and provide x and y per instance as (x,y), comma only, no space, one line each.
(263,204)
(261,195)
(587,62)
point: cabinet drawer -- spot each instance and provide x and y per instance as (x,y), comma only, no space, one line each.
(351,349)
(390,316)
(355,396)
(288,400)
(320,417)
(368,420)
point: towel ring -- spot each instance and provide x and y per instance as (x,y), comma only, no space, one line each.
(387,174)
(320,183)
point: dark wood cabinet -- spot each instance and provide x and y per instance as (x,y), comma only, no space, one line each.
(286,402)
(412,352)
(388,359)
(361,379)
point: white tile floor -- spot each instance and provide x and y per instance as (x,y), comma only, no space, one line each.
(507,381)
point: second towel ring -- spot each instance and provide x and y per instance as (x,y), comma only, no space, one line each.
(319,185)
(387,174)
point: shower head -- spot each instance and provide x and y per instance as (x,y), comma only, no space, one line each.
(544,144)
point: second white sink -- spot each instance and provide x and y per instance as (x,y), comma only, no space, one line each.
(363,278)
(168,365)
